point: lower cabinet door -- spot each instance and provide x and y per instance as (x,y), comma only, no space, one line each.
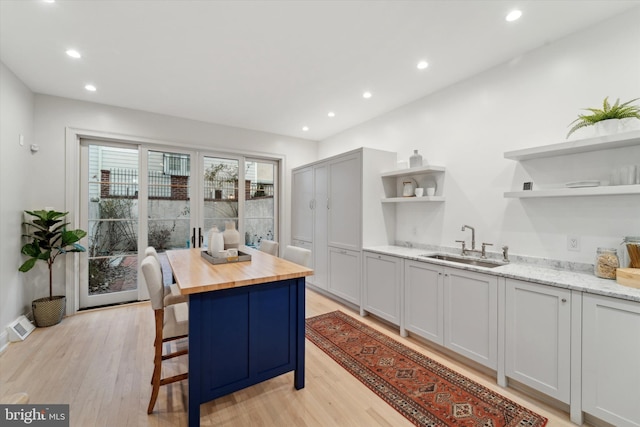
(538,337)
(611,359)
(382,286)
(344,274)
(424,300)
(471,315)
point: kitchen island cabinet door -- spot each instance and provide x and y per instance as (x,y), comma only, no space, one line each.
(344,274)
(611,359)
(471,315)
(538,337)
(382,286)
(424,300)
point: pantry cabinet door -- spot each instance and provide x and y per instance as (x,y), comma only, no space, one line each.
(345,201)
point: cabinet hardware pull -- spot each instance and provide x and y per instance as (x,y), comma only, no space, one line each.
(564,300)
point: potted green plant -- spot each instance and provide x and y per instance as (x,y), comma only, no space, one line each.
(616,111)
(49,239)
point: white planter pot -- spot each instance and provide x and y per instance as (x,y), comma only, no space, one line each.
(607,127)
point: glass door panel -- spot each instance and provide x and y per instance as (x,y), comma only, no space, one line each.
(168,204)
(112,225)
(221,195)
(260,201)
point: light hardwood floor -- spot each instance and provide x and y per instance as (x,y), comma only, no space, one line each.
(100,362)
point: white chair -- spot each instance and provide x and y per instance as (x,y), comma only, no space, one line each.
(269,246)
(298,255)
(171,323)
(170,297)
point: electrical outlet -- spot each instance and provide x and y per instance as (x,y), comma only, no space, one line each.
(573,243)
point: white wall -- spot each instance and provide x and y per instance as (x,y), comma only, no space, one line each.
(526,102)
(16,118)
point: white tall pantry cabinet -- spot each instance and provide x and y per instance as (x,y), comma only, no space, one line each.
(333,201)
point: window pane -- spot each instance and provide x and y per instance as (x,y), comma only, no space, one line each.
(259,210)
(169,200)
(113,219)
(220,193)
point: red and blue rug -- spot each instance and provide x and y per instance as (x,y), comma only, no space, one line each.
(424,391)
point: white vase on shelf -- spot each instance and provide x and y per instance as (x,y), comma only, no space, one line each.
(415,161)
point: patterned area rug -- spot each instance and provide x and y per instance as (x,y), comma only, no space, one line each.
(424,391)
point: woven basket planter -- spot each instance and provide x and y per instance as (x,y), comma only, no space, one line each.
(48,312)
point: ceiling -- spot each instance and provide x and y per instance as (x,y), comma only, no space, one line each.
(274,66)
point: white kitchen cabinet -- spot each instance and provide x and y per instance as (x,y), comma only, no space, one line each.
(538,337)
(471,315)
(302,204)
(625,145)
(344,274)
(424,300)
(345,201)
(611,359)
(382,286)
(455,308)
(345,209)
(320,225)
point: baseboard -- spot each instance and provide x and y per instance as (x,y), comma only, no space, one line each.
(334,297)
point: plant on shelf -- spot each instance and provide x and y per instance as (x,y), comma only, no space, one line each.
(49,239)
(608,111)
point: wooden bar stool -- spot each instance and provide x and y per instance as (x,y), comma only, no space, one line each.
(171,323)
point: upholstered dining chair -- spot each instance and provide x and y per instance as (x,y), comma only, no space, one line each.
(171,323)
(298,255)
(171,294)
(269,246)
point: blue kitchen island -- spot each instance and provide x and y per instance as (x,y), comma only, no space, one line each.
(246,322)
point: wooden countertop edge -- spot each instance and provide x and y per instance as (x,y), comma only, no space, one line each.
(241,283)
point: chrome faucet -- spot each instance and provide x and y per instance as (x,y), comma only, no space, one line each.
(483,252)
(473,236)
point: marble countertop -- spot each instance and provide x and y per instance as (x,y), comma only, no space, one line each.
(578,281)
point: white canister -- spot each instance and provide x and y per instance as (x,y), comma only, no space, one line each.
(216,242)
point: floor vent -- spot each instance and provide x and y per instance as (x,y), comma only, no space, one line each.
(20,329)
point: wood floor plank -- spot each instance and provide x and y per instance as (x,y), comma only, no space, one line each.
(100,362)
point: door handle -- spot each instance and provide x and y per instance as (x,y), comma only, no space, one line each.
(193,238)
(200,237)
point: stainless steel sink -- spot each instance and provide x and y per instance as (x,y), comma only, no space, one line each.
(468,261)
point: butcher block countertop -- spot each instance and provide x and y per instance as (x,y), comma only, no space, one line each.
(194,274)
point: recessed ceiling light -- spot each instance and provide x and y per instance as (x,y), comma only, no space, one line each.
(90,88)
(74,53)
(305,128)
(331,114)
(513,15)
(422,65)
(367,95)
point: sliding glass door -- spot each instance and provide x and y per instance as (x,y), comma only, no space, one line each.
(133,196)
